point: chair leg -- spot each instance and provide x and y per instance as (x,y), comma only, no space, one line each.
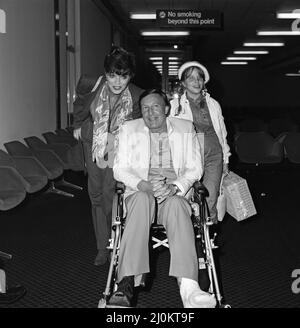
(63,182)
(52,189)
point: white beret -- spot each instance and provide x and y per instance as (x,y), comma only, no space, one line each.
(193,64)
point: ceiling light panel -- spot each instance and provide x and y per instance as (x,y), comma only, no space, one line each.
(246,52)
(234,63)
(143,16)
(286,33)
(263,44)
(241,58)
(293,15)
(165,33)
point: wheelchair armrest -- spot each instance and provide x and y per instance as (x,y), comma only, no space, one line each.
(199,188)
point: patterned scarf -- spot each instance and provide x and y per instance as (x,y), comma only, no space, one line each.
(123,110)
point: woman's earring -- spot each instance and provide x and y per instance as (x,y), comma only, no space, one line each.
(204,91)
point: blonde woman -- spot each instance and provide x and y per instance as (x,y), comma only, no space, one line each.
(196,105)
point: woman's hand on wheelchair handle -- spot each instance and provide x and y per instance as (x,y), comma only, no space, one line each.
(77,133)
(225,169)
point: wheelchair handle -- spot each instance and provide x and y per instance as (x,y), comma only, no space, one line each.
(119,187)
(200,189)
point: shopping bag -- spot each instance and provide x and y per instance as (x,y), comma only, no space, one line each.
(221,202)
(239,203)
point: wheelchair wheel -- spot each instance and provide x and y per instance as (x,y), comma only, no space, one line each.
(114,245)
(203,276)
(115,226)
(114,211)
(225,306)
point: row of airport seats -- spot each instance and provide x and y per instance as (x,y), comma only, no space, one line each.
(12,193)
(31,166)
(274,127)
(262,148)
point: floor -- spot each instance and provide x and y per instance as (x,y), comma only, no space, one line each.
(52,242)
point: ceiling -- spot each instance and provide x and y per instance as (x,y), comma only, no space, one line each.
(241,20)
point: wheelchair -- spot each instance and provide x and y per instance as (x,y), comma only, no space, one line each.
(208,278)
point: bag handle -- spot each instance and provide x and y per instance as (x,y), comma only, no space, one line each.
(224,175)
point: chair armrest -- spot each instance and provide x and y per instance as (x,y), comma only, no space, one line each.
(277,149)
(71,141)
(5,256)
(49,156)
(11,179)
(29,166)
(61,146)
(280,138)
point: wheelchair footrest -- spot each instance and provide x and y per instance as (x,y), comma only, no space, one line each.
(104,305)
(108,306)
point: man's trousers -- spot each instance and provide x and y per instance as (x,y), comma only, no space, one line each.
(175,215)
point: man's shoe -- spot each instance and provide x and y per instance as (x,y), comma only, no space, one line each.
(199,299)
(123,295)
(101,257)
(193,297)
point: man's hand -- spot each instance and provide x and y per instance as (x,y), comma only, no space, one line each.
(145,186)
(77,133)
(167,190)
(157,182)
(158,187)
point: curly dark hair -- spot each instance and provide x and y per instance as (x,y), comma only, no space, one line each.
(119,61)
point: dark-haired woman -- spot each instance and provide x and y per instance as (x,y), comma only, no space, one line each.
(98,114)
(196,105)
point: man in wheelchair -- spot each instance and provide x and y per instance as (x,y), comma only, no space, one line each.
(158,160)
